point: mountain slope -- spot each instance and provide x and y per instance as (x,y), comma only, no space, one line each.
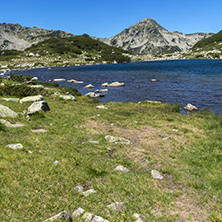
(148,37)
(15,36)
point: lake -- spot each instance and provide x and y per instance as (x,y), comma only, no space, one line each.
(179,81)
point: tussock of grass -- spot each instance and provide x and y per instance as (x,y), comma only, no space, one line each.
(33,189)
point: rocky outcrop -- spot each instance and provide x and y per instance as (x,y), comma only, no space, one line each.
(7,112)
(148,37)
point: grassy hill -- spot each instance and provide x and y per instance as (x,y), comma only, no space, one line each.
(185,149)
(64,51)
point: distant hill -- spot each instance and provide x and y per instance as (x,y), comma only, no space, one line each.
(148,37)
(15,36)
(213,42)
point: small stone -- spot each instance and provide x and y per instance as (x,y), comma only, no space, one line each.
(41,130)
(175,130)
(59,80)
(79,188)
(77,212)
(65,215)
(98,219)
(94,141)
(116,140)
(90,86)
(122,168)
(56,163)
(101,107)
(137,217)
(75,81)
(94,95)
(87,216)
(116,206)
(37,86)
(101,91)
(190,108)
(67,97)
(156,174)
(116,84)
(86,193)
(165,138)
(15,146)
(12,125)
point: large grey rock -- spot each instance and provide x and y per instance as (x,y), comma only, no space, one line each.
(31,98)
(75,81)
(90,86)
(11,99)
(59,80)
(190,108)
(116,84)
(94,95)
(122,168)
(67,97)
(156,174)
(105,84)
(7,112)
(116,140)
(101,91)
(38,106)
(63,215)
(15,146)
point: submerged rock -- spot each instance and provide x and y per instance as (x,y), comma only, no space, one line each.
(59,80)
(7,112)
(105,84)
(75,81)
(13,125)
(190,108)
(116,140)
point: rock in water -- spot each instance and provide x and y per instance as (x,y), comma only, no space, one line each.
(59,80)
(11,99)
(31,98)
(190,108)
(7,112)
(105,84)
(113,139)
(116,84)
(38,106)
(90,86)
(156,174)
(94,95)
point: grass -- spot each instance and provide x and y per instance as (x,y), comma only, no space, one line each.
(186,149)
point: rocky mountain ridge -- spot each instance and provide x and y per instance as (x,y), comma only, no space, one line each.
(15,36)
(148,37)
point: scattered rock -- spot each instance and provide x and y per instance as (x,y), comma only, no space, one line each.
(101,107)
(13,125)
(116,84)
(75,81)
(7,112)
(190,108)
(86,193)
(41,130)
(94,95)
(90,86)
(31,99)
(67,97)
(116,206)
(154,80)
(116,140)
(63,215)
(105,84)
(79,188)
(101,91)
(56,163)
(98,219)
(156,174)
(122,168)
(37,86)
(94,141)
(137,217)
(175,130)
(11,99)
(59,80)
(87,216)
(15,146)
(38,106)
(77,212)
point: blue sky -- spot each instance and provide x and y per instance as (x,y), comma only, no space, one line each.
(109,17)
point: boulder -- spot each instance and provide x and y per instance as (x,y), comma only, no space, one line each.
(67,97)
(105,84)
(87,216)
(190,108)
(94,95)
(15,146)
(116,84)
(156,174)
(38,106)
(7,112)
(75,81)
(31,99)
(101,91)
(59,80)
(90,86)
(116,140)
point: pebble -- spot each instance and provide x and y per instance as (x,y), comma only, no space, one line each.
(63,214)
(116,206)
(41,130)
(77,212)
(56,163)
(156,174)
(137,217)
(86,193)
(79,188)
(94,141)
(122,168)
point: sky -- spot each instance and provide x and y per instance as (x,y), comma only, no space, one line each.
(106,18)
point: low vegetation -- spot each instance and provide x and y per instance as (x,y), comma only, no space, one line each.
(185,149)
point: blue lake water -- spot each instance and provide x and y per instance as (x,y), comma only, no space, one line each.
(180,81)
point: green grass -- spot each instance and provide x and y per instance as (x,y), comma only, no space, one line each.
(33,189)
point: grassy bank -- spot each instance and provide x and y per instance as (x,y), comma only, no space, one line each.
(185,149)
